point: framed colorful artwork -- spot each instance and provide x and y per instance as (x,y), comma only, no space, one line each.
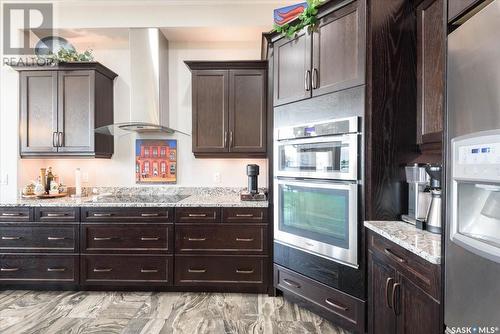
(156,161)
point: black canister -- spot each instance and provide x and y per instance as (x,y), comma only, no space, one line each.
(253,173)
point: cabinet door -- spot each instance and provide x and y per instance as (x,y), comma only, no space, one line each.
(292,69)
(339,50)
(38,130)
(247,111)
(76,111)
(210,111)
(381,280)
(417,311)
(431,37)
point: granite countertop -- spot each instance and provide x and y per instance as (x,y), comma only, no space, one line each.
(200,197)
(422,243)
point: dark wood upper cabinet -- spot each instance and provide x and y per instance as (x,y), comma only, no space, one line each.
(292,69)
(326,60)
(61,106)
(339,50)
(431,49)
(229,108)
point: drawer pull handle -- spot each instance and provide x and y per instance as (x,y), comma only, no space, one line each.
(149,270)
(57,214)
(244,239)
(149,214)
(291,283)
(244,271)
(9,269)
(102,214)
(244,215)
(335,305)
(11,214)
(198,271)
(197,239)
(394,256)
(56,269)
(150,238)
(102,270)
(56,238)
(11,238)
(197,215)
(387,299)
(104,238)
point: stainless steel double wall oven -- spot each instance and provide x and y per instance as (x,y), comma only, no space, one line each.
(316,188)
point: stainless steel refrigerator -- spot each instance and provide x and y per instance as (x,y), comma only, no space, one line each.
(472,242)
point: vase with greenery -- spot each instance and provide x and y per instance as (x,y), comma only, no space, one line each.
(306,19)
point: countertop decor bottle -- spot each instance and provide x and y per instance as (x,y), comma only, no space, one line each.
(43,180)
(50,178)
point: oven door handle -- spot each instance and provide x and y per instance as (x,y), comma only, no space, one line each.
(347,137)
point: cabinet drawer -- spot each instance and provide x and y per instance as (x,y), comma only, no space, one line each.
(126,269)
(219,270)
(127,215)
(57,214)
(13,214)
(257,215)
(197,215)
(221,238)
(127,238)
(424,274)
(38,268)
(346,310)
(37,238)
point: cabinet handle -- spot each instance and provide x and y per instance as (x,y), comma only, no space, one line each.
(190,270)
(335,305)
(225,138)
(244,271)
(60,139)
(11,214)
(244,239)
(57,214)
(291,283)
(102,214)
(197,215)
(102,270)
(149,271)
(104,238)
(150,238)
(230,138)
(11,238)
(394,256)
(315,79)
(56,269)
(9,269)
(307,80)
(244,215)
(395,288)
(387,299)
(149,214)
(197,239)
(54,143)
(56,238)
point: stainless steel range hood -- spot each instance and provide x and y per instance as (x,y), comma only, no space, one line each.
(148,85)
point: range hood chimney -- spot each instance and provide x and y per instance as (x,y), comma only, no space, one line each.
(148,85)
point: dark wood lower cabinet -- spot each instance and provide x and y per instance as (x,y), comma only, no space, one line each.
(404,290)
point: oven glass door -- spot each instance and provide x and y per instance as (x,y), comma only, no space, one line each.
(318,217)
(332,157)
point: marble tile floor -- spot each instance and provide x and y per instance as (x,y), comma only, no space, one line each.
(67,312)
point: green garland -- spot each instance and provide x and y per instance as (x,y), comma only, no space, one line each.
(68,55)
(306,19)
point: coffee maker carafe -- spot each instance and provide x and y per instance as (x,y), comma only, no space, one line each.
(419,197)
(433,223)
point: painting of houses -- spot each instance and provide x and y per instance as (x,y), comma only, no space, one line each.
(156,161)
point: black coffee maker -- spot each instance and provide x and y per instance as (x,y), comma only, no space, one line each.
(252,192)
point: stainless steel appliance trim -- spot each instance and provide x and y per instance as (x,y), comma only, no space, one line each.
(344,256)
(351,139)
(280,133)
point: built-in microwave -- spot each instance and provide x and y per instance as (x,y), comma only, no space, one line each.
(325,150)
(318,217)
(475,193)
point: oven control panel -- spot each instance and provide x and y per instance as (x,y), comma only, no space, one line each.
(477,157)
